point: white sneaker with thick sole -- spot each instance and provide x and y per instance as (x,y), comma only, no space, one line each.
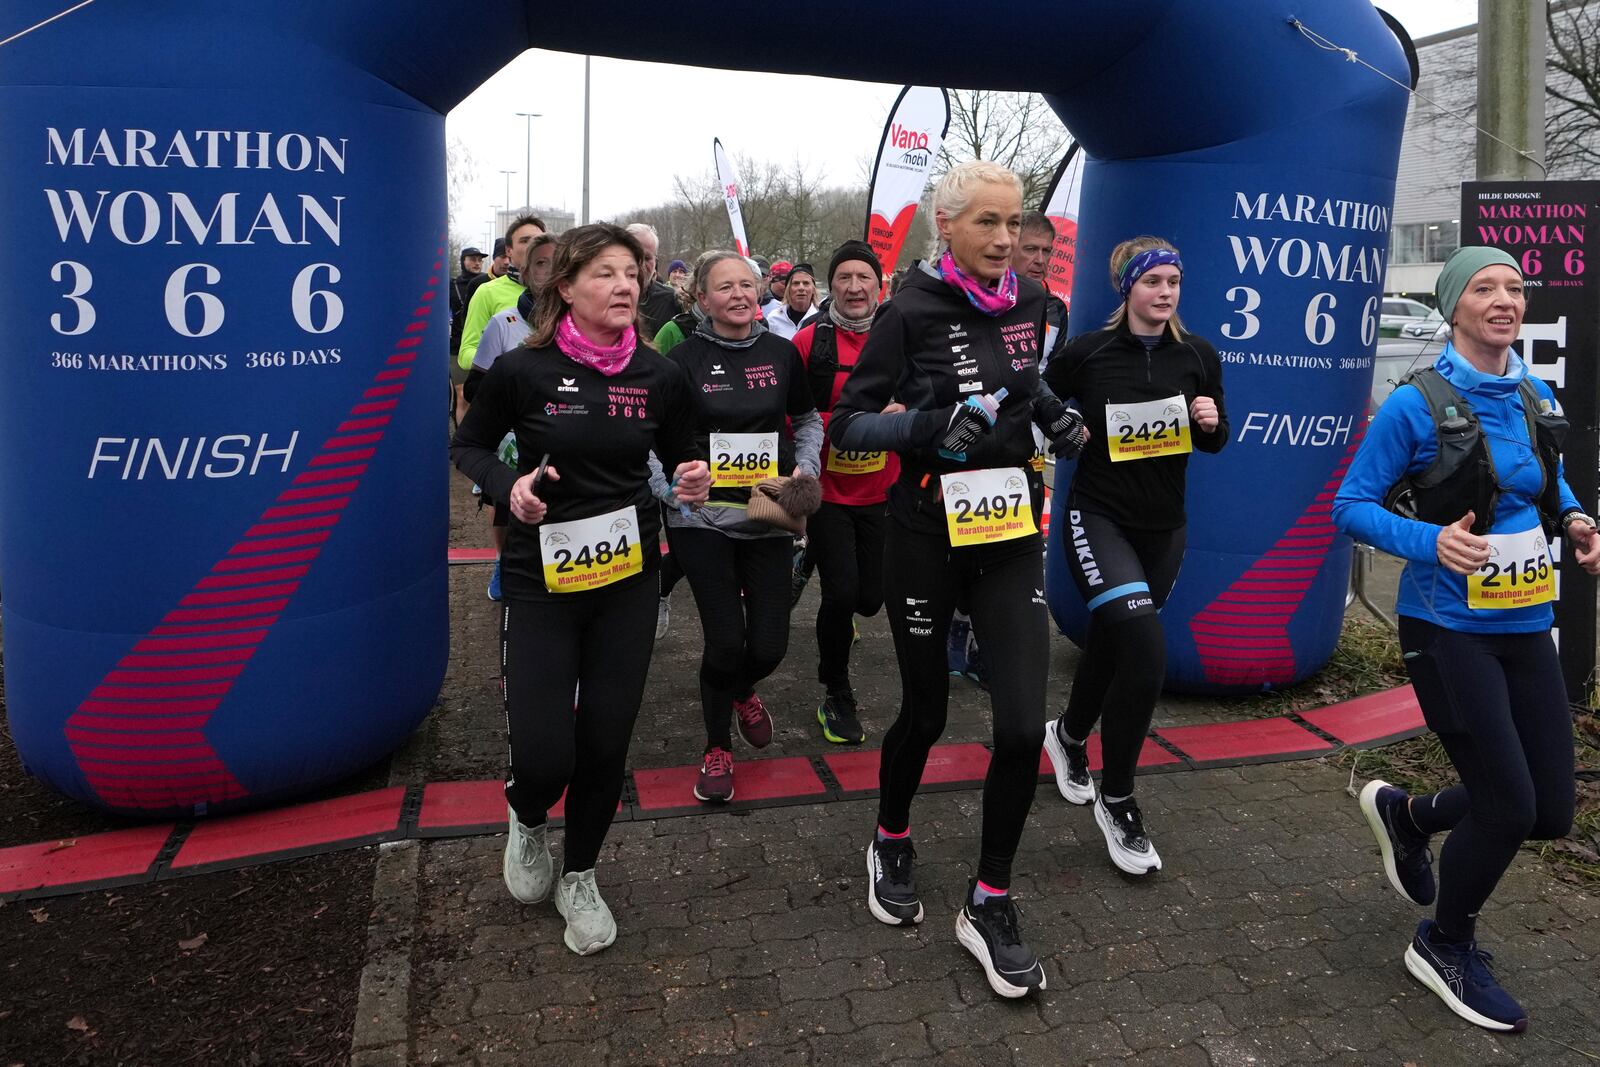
(590,926)
(527,866)
(1126,841)
(1074,782)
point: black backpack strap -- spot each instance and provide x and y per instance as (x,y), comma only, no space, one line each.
(1547,434)
(823,362)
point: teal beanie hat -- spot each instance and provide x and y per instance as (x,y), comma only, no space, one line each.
(1459,269)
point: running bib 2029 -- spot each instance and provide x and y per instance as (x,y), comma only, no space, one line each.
(588,553)
(984,506)
(1154,428)
(855,462)
(1518,574)
(743,459)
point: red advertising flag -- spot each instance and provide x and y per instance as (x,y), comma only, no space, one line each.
(1061,207)
(917,124)
(728,180)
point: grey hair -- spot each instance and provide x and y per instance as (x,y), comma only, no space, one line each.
(637,228)
(954,191)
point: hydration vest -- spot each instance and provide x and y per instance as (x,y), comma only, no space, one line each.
(1462,476)
(823,362)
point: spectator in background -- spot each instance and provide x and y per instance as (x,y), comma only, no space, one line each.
(1032,260)
(657,302)
(471,268)
(799,301)
(678,276)
(502,293)
(777,280)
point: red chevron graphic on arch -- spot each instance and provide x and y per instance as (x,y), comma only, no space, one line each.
(139,736)
(1243,635)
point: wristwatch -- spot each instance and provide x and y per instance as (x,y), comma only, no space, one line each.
(1576,516)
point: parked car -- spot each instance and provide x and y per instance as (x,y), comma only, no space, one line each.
(1432,326)
(1397,357)
(1398,312)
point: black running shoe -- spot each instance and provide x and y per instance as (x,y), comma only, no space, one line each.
(840,724)
(1122,824)
(891,892)
(989,931)
(1406,859)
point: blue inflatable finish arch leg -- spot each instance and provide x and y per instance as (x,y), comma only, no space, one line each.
(223,548)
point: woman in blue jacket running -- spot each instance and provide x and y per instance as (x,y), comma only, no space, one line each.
(1475,618)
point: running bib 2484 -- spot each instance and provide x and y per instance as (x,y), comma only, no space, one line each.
(589,553)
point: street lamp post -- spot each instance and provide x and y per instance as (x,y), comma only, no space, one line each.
(508,174)
(527,183)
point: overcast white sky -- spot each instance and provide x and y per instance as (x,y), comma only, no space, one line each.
(634,153)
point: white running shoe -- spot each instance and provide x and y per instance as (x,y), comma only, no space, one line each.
(1071,763)
(1126,841)
(590,926)
(527,867)
(663,617)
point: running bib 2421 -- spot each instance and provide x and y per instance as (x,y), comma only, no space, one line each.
(588,553)
(743,459)
(1518,574)
(983,506)
(1154,428)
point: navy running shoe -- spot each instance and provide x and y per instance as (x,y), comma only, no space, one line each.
(955,646)
(1459,975)
(1406,858)
(494,583)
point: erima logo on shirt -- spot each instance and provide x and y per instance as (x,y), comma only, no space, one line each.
(716,368)
(568,385)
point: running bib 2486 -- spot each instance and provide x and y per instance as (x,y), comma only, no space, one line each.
(588,553)
(1518,574)
(983,506)
(743,459)
(1154,428)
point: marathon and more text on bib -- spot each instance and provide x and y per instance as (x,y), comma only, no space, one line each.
(743,459)
(983,506)
(588,553)
(1154,428)
(855,462)
(1518,574)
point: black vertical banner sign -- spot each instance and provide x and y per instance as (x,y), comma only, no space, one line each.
(1553,230)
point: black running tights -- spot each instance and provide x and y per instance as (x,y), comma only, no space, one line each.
(1003,587)
(1499,706)
(602,641)
(846,541)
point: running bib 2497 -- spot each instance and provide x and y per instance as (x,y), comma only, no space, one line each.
(1154,428)
(1518,574)
(983,506)
(743,459)
(588,553)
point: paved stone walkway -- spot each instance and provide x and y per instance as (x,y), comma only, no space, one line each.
(1270,937)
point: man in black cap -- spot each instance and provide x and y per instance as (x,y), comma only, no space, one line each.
(460,290)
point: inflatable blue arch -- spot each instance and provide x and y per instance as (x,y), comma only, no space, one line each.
(224,326)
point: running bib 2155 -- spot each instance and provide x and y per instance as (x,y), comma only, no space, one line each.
(1154,428)
(1518,574)
(743,459)
(588,553)
(983,506)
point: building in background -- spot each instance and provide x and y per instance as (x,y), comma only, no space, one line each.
(557,219)
(1439,152)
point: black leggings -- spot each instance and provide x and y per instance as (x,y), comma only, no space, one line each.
(1002,585)
(601,640)
(1499,706)
(1124,576)
(846,542)
(745,637)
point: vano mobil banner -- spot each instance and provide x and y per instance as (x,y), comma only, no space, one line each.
(218,350)
(728,181)
(1551,230)
(910,143)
